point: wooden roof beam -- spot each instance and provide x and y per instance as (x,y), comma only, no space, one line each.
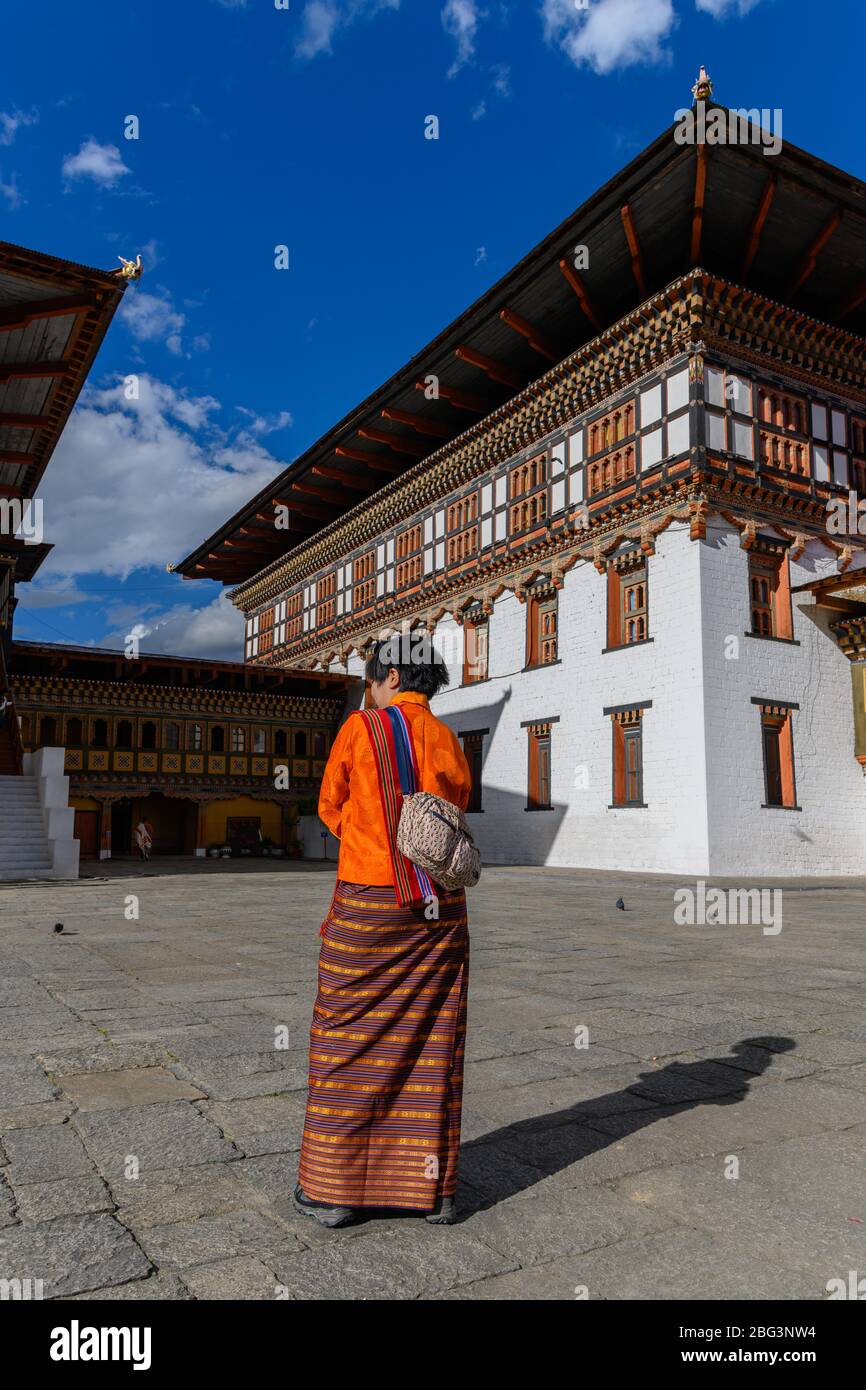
(377,462)
(10,371)
(25,312)
(420,423)
(15,456)
(496,370)
(461,400)
(851,303)
(631,237)
(582,293)
(303,508)
(398,443)
(811,258)
(319,490)
(25,422)
(698,204)
(537,340)
(758,224)
(338,475)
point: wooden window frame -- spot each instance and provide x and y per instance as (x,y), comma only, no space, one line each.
(539,642)
(472,657)
(777,755)
(619,580)
(627,763)
(770,567)
(539,780)
(473,751)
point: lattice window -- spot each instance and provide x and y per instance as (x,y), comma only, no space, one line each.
(363,575)
(770,592)
(294,616)
(784,411)
(462,547)
(326,604)
(528,476)
(529,513)
(409,572)
(409,541)
(633,590)
(266,631)
(782,415)
(605,433)
(542,618)
(617,468)
(461,512)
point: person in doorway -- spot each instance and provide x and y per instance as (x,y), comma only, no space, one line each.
(144,838)
(382,1125)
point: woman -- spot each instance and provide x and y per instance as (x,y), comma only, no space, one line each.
(386,1045)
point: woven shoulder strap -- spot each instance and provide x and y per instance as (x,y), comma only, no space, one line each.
(398,776)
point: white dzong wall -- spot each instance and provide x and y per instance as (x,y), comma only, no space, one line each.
(703,769)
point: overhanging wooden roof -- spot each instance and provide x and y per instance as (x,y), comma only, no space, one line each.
(56,659)
(53,318)
(789,225)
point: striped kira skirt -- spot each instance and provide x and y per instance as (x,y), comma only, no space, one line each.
(382,1127)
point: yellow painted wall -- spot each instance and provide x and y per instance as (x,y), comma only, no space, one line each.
(84,803)
(217,812)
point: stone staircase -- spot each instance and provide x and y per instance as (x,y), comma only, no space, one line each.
(37,824)
(24,851)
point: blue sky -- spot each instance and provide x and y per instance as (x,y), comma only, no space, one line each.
(304,126)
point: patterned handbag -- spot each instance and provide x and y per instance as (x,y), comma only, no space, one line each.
(434,835)
(428,838)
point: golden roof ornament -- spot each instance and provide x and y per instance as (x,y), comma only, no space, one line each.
(703,88)
(130,270)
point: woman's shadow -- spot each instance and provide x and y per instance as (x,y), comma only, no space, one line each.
(516,1157)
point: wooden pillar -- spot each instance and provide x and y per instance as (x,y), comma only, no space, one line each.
(105,830)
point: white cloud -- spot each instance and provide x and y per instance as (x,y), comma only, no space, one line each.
(611,34)
(152,318)
(479,111)
(460,20)
(720,9)
(12,121)
(480,255)
(321,19)
(11,191)
(215,631)
(132,488)
(102,163)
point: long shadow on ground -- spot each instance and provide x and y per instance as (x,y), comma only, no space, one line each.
(516,1157)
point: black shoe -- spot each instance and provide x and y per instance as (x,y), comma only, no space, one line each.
(445,1214)
(325,1215)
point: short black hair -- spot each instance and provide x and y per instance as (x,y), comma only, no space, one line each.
(414,657)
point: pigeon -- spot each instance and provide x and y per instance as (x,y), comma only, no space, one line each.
(620,904)
(58,927)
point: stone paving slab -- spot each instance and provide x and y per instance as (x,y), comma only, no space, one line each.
(124,1087)
(159,1135)
(600,1166)
(72,1254)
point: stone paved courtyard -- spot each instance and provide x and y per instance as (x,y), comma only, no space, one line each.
(600,1167)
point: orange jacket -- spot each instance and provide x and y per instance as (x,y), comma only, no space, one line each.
(349,801)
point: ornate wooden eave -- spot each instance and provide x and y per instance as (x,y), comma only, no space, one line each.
(639,520)
(95,695)
(697,313)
